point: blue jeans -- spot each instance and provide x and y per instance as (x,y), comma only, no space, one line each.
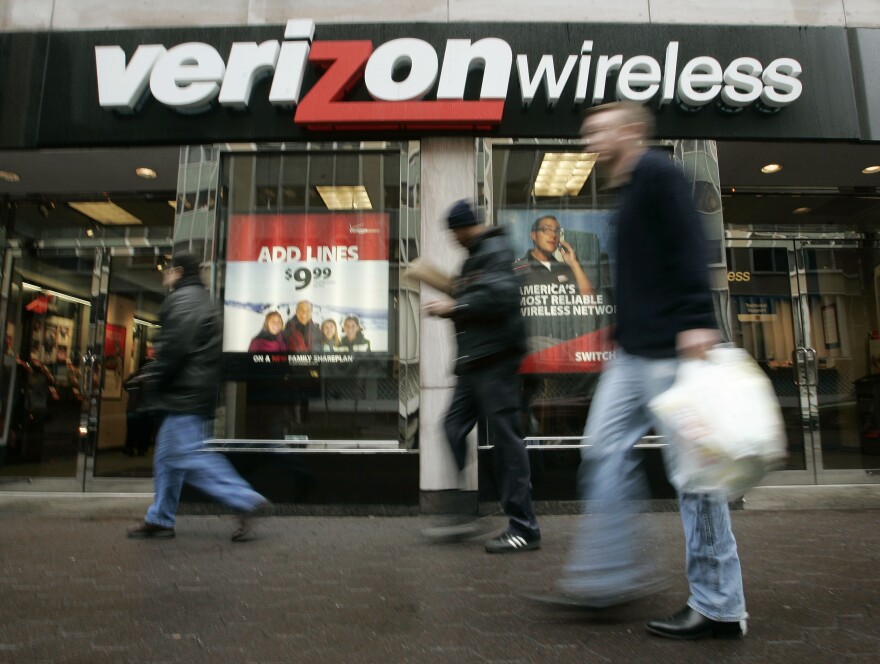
(178,459)
(608,557)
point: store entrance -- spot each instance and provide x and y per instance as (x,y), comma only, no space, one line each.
(807,309)
(80,323)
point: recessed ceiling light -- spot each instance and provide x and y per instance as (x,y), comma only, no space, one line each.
(871,169)
(345,198)
(801,210)
(771,168)
(9,176)
(146,173)
(564,173)
(105,212)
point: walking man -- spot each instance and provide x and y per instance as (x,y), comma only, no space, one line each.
(484,307)
(181,383)
(664,314)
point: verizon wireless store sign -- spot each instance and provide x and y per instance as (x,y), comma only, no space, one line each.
(401,74)
(301,81)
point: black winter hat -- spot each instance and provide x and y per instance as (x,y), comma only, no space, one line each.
(187,261)
(462,214)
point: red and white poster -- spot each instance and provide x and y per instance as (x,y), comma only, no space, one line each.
(315,285)
(566,298)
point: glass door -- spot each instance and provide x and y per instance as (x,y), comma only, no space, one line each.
(79,324)
(807,311)
(837,282)
(49,366)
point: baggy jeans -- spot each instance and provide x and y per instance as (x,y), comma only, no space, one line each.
(606,558)
(179,459)
(493,392)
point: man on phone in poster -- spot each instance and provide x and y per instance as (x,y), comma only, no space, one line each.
(540,266)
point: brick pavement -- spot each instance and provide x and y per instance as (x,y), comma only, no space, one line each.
(361,589)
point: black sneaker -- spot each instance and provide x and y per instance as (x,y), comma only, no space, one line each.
(149,531)
(512,543)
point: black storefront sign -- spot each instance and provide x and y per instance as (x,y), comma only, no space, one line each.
(50,84)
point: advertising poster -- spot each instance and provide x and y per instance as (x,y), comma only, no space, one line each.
(114,359)
(306,289)
(565,287)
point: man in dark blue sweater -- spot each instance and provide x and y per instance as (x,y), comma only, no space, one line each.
(664,314)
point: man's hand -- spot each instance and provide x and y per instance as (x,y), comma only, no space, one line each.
(440,308)
(693,344)
(568,254)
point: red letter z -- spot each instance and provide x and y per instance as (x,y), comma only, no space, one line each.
(322,109)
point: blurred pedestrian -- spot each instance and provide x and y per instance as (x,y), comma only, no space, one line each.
(664,314)
(181,383)
(484,307)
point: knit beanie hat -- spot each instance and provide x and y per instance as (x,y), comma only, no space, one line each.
(462,214)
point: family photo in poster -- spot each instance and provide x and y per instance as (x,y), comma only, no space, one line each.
(311,286)
(565,292)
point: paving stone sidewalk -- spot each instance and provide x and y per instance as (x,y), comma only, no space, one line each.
(361,589)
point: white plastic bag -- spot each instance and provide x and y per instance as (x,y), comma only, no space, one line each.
(723,421)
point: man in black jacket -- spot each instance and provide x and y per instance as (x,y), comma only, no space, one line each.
(181,384)
(490,334)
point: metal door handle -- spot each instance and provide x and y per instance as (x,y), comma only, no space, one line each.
(806,371)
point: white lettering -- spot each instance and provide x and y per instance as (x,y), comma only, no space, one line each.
(292,61)
(188,77)
(248,62)
(669,67)
(122,88)
(544,72)
(781,83)
(607,64)
(379,74)
(461,57)
(700,81)
(583,79)
(639,79)
(742,85)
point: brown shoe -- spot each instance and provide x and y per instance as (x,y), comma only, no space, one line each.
(149,531)
(245,530)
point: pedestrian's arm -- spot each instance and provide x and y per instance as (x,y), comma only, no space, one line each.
(174,344)
(489,294)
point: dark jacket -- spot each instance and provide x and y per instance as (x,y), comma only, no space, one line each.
(488,323)
(302,339)
(266,342)
(185,374)
(662,275)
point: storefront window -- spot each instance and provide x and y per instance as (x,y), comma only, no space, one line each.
(318,337)
(551,200)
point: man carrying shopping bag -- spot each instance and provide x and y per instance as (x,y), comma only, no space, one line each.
(664,314)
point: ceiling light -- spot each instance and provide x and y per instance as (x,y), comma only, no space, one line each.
(105,212)
(801,210)
(173,204)
(771,168)
(871,169)
(345,198)
(146,173)
(61,296)
(563,173)
(9,176)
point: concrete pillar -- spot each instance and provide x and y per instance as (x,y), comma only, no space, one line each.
(448,174)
